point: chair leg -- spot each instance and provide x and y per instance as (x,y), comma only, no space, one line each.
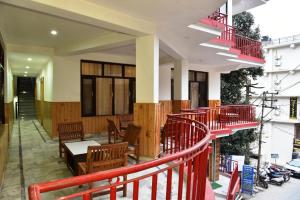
(60,150)
(125,186)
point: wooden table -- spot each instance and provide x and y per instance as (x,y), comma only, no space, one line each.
(76,152)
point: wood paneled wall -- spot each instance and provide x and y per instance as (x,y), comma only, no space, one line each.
(9,115)
(4,141)
(165,109)
(177,105)
(214,103)
(147,115)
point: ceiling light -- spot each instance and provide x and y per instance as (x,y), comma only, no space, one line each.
(29,59)
(227,54)
(215,46)
(53,32)
(246,62)
(27,67)
(25,72)
(25,75)
(292,72)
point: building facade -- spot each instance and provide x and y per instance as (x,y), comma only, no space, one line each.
(281,74)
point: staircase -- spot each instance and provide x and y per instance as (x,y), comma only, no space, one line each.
(26,98)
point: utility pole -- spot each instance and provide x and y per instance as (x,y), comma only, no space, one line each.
(264,100)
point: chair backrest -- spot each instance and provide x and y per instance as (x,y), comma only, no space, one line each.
(132,134)
(111,127)
(70,131)
(125,120)
(107,156)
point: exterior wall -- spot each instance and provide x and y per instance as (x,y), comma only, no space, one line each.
(279,134)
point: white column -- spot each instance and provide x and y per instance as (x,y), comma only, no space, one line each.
(147,69)
(181,80)
(214,85)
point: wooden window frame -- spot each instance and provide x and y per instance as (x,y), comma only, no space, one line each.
(94,77)
(195,80)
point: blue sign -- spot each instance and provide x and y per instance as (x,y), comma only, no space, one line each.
(247,179)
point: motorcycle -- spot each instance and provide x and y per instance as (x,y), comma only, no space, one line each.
(286,173)
(273,177)
(262,179)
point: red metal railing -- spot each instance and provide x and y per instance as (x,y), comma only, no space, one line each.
(219,17)
(234,184)
(218,118)
(189,159)
(248,47)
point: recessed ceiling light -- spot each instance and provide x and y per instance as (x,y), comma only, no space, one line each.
(25,75)
(29,59)
(25,72)
(27,67)
(53,32)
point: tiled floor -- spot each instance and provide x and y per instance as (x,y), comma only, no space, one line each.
(40,162)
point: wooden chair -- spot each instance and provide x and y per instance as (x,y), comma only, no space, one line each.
(70,131)
(125,120)
(105,157)
(131,135)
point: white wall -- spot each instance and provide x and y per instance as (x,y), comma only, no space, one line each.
(282,141)
(47,74)
(165,82)
(214,85)
(66,73)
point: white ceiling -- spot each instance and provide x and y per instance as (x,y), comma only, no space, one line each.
(18,63)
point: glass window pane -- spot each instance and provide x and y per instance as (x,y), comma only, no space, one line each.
(122,95)
(191,76)
(129,71)
(112,70)
(87,97)
(201,76)
(91,69)
(104,96)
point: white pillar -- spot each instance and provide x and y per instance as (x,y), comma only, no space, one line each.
(181,80)
(147,69)
(214,85)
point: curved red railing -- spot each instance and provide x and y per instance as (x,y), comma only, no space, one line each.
(248,46)
(189,159)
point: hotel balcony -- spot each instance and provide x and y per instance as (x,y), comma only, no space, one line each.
(237,48)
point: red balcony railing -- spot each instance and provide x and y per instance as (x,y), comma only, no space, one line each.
(188,157)
(218,118)
(218,17)
(248,47)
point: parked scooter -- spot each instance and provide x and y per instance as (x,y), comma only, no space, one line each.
(262,179)
(273,177)
(286,173)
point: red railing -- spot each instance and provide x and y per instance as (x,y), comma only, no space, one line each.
(218,118)
(189,159)
(218,17)
(234,184)
(248,47)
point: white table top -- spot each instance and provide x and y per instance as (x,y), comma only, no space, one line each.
(77,148)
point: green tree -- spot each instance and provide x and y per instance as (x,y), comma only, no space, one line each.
(232,85)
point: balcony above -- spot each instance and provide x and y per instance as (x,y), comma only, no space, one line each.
(235,47)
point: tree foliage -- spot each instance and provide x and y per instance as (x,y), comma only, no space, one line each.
(231,89)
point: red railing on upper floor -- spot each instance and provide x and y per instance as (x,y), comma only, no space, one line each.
(248,47)
(219,17)
(222,117)
(189,157)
